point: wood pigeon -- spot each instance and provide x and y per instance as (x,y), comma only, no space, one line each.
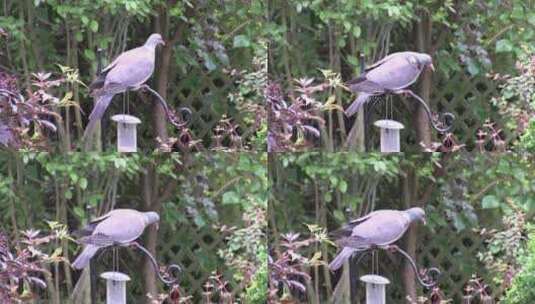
(391,74)
(379,228)
(128,71)
(117,227)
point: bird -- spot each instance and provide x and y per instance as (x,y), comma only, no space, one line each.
(379,228)
(128,71)
(117,227)
(391,74)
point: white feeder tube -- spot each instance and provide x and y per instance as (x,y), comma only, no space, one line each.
(115,287)
(390,139)
(375,288)
(126,132)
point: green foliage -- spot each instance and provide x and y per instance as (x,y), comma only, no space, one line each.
(527,139)
(258,288)
(521,290)
(200,190)
(504,247)
(246,252)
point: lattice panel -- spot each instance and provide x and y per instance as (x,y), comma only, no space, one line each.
(457,263)
(206,94)
(196,251)
(469,99)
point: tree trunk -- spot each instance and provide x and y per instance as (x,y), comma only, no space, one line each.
(421,121)
(150,202)
(159,118)
(409,190)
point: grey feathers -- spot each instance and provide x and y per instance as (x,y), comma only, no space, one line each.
(392,73)
(379,228)
(129,70)
(119,226)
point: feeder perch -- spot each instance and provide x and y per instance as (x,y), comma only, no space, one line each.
(375,288)
(389,135)
(115,287)
(126,132)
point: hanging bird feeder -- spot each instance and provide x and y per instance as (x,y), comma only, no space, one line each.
(115,287)
(126,132)
(389,135)
(375,288)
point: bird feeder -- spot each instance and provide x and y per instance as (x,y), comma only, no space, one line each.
(115,287)
(375,288)
(389,135)
(126,132)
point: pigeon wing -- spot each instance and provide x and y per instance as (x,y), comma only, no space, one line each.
(347,229)
(132,69)
(122,226)
(383,228)
(397,73)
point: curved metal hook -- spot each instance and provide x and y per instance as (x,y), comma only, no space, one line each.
(433,273)
(447,117)
(184,119)
(170,271)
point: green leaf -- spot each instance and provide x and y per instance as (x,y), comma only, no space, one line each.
(230,198)
(339,215)
(68,194)
(78,36)
(504,46)
(342,186)
(83,183)
(79,212)
(94,26)
(356,31)
(489,202)
(89,54)
(241,41)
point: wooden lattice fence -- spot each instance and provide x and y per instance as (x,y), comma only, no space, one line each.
(457,262)
(468,98)
(196,251)
(207,95)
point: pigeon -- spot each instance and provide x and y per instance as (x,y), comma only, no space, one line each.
(128,71)
(391,74)
(379,228)
(117,227)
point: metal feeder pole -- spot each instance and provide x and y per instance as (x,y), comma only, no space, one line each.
(375,288)
(115,287)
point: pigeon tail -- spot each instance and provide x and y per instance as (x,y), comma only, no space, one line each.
(83,259)
(357,103)
(98,111)
(343,256)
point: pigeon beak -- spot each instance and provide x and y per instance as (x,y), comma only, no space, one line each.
(163,42)
(432,67)
(424,221)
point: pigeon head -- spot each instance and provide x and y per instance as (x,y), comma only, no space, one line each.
(416,214)
(421,60)
(151,217)
(425,60)
(154,40)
